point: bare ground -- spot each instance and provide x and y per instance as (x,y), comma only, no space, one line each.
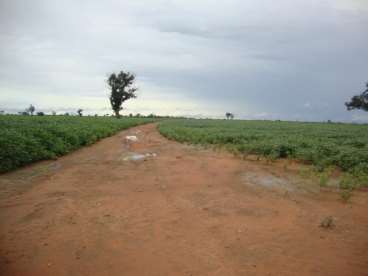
(186,211)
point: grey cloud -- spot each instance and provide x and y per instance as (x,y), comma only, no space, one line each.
(256,58)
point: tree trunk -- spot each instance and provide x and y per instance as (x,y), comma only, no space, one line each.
(117,113)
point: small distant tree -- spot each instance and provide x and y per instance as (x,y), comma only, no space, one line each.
(229,115)
(122,89)
(40,113)
(66,114)
(359,101)
(31,109)
(79,111)
(2,112)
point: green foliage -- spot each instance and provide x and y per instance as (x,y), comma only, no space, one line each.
(359,101)
(30,110)
(325,176)
(26,139)
(323,180)
(346,195)
(322,144)
(121,89)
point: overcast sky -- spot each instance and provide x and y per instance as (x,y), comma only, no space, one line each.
(264,59)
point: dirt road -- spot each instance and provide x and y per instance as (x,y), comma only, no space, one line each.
(181,211)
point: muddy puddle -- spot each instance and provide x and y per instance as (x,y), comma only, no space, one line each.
(138,156)
(271,181)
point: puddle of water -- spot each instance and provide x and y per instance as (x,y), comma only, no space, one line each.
(135,157)
(138,156)
(268,181)
(273,182)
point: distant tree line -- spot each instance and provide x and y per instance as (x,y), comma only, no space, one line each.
(122,88)
(31,110)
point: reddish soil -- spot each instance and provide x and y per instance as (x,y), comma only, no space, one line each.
(186,211)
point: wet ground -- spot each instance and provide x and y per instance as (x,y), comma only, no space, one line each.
(174,209)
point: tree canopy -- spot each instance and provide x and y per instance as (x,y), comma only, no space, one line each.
(229,115)
(122,89)
(359,101)
(30,110)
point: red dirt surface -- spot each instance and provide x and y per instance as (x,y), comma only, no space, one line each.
(186,211)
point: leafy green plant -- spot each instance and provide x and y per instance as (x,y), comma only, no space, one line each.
(323,180)
(346,195)
(323,145)
(26,139)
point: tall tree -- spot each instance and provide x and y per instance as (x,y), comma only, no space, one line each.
(229,115)
(31,109)
(122,89)
(359,101)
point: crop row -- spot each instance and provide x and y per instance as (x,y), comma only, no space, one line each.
(26,139)
(321,144)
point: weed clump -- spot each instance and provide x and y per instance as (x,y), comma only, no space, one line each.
(327,222)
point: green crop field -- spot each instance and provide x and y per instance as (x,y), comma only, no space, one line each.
(26,139)
(322,144)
